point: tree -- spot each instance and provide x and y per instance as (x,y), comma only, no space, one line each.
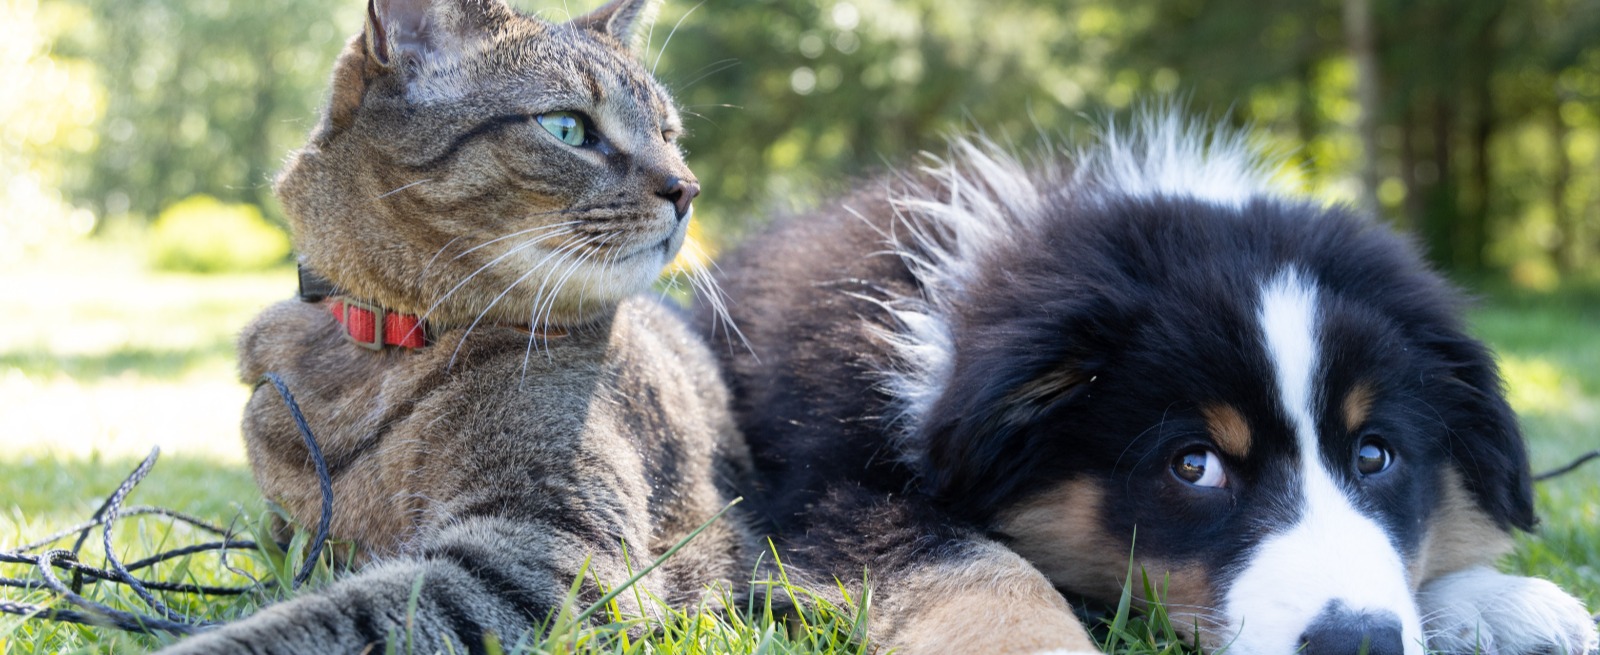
(203,97)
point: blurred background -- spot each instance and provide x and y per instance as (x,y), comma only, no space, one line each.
(1474,123)
(138,139)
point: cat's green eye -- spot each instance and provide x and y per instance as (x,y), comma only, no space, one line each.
(565,125)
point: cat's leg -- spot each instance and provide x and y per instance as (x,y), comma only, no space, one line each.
(473,579)
(1480,610)
(352,400)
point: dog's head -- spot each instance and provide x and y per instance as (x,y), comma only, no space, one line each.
(1272,405)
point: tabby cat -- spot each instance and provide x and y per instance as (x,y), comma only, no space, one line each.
(486,192)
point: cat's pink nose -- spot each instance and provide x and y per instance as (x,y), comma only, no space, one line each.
(680,193)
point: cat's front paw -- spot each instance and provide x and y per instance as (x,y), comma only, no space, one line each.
(1480,610)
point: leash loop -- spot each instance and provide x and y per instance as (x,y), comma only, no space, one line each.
(89,612)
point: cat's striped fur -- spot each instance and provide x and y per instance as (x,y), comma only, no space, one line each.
(553,420)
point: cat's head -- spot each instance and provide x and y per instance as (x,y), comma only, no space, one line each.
(476,162)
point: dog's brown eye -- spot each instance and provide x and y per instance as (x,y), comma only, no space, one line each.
(1373,457)
(1200,467)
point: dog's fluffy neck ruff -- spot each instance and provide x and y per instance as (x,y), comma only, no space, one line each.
(981,197)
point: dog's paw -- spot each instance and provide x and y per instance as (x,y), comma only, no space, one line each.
(1480,610)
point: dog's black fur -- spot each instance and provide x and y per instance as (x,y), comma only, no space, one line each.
(1149,295)
(1096,328)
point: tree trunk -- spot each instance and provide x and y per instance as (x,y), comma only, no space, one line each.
(1472,237)
(1358,30)
(1563,250)
(1441,213)
(1413,208)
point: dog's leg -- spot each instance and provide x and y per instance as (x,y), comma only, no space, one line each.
(936,586)
(1480,610)
(988,601)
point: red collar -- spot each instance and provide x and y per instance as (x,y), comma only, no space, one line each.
(373,327)
(367,325)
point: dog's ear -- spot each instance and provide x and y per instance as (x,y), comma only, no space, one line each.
(1482,439)
(981,436)
(1486,443)
(978,443)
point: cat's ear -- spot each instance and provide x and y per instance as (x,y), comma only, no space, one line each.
(620,19)
(416,30)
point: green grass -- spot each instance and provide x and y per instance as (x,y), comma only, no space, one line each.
(1549,347)
(100,360)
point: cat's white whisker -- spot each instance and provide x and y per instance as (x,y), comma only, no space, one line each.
(436,254)
(605,265)
(706,285)
(518,233)
(391,192)
(531,270)
(717,67)
(668,41)
(699,116)
(555,292)
(529,243)
(539,299)
(514,250)
(610,260)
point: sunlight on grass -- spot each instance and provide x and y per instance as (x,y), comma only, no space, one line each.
(1549,351)
(100,356)
(1537,385)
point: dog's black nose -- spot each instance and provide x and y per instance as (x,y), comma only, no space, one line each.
(1340,631)
(680,193)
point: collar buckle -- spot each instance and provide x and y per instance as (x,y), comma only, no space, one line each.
(352,323)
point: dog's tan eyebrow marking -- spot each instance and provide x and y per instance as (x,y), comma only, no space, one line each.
(1228,428)
(1357,406)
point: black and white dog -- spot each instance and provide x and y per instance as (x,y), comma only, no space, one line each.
(992,379)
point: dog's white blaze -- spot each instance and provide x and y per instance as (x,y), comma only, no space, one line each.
(1333,552)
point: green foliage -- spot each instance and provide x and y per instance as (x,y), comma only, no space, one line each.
(203,235)
(1485,118)
(787,100)
(1485,122)
(201,96)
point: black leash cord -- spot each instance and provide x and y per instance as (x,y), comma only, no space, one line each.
(105,517)
(1570,467)
(102,615)
(111,507)
(326,519)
